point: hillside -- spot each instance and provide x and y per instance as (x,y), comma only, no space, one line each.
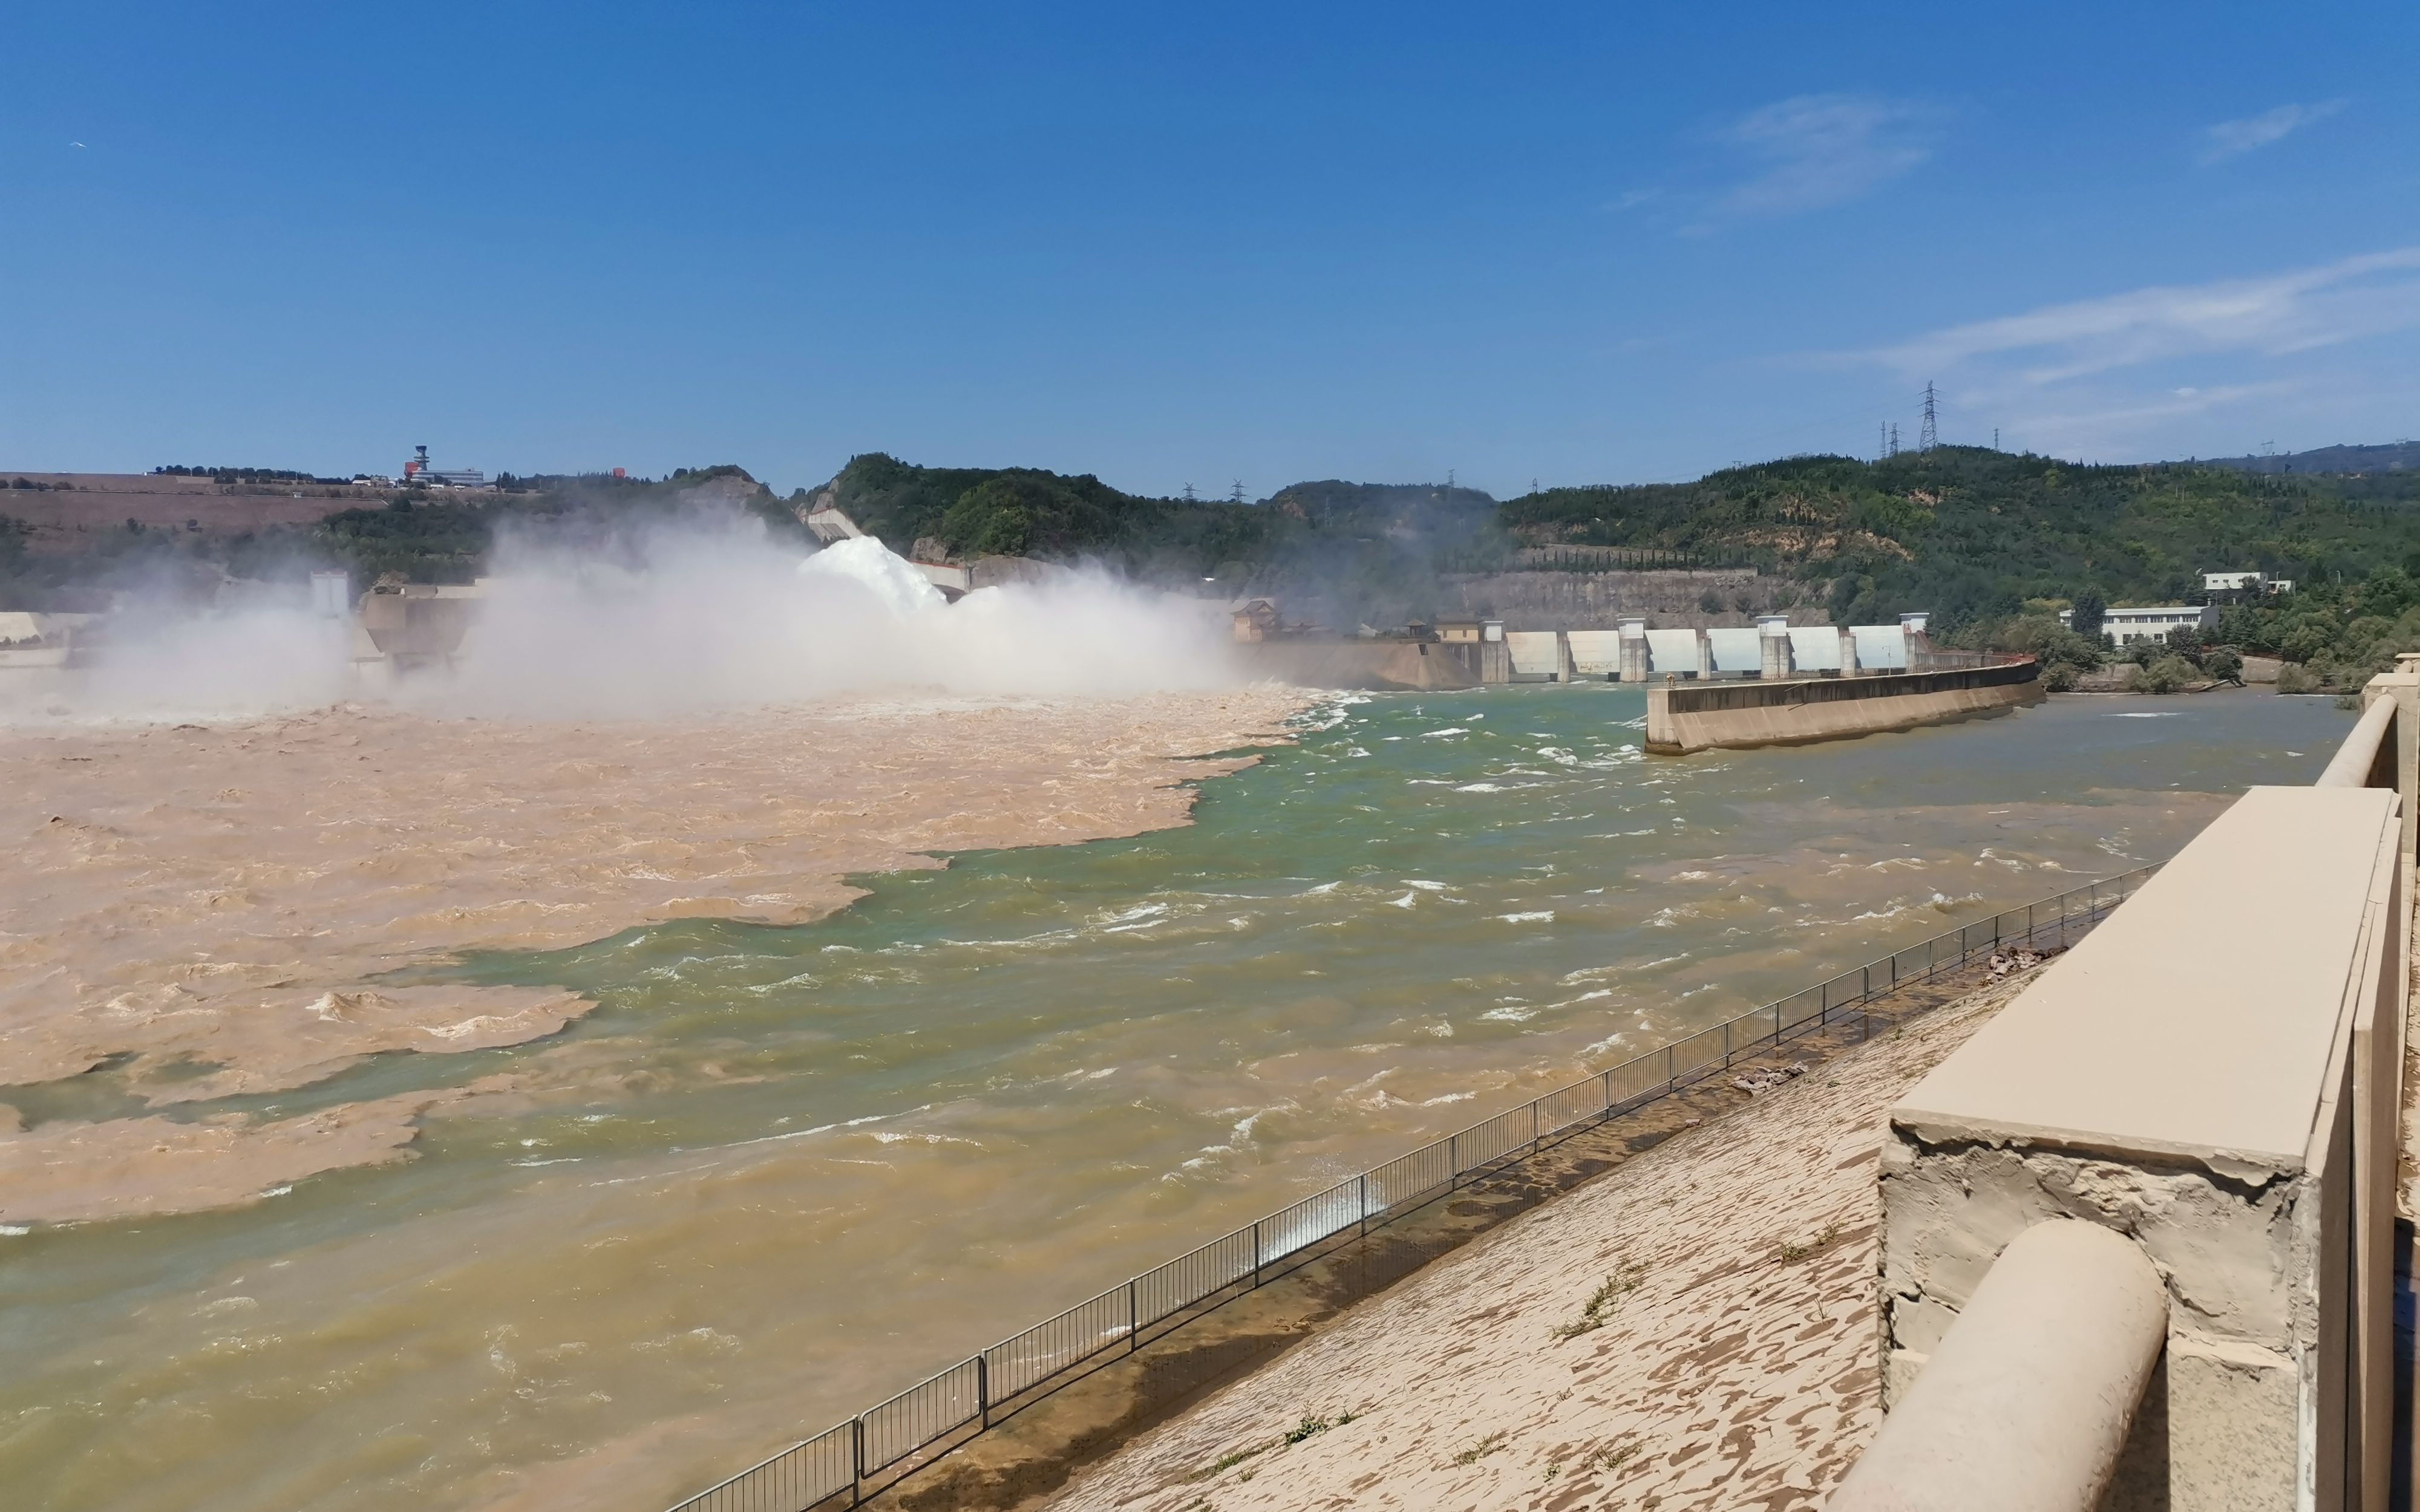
(1338,551)
(1988,542)
(1972,534)
(74,543)
(2392,456)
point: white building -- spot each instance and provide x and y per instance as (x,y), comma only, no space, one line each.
(2244,583)
(2126,626)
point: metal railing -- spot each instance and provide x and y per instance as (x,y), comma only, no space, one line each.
(943,1411)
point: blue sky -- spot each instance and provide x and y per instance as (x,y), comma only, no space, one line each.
(1199,244)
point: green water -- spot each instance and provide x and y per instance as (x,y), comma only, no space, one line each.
(781,1173)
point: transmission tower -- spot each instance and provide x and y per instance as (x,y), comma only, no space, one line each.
(1188,495)
(1891,447)
(1930,437)
(1235,494)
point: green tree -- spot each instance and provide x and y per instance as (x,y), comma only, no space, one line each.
(2086,618)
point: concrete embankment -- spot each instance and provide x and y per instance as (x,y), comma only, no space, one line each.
(1685,717)
(1602,600)
(1415,666)
(1692,1330)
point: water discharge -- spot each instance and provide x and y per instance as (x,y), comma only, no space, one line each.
(781,1172)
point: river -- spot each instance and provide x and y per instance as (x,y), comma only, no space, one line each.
(782,1172)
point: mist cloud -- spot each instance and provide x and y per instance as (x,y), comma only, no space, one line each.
(669,618)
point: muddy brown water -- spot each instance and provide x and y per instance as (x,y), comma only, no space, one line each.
(779,1173)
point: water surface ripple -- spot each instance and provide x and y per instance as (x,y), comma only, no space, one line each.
(783,1172)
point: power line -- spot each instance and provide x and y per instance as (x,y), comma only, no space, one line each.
(1931,435)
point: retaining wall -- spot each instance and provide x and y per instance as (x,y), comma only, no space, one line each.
(1412,665)
(1683,718)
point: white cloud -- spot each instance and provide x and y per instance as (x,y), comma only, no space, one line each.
(2313,307)
(2232,139)
(1825,150)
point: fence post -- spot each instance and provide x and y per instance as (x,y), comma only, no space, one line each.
(1533,1125)
(983,1389)
(1608,1092)
(1453,1162)
(1134,1319)
(1776,1022)
(1256,1253)
(856,1459)
(1365,1204)
(1669,1082)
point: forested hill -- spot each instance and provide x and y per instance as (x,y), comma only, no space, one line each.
(2391,457)
(1334,549)
(1971,534)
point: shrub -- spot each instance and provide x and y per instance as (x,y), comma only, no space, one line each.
(2168,674)
(2293,678)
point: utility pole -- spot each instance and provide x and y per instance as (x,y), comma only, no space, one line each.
(1996,437)
(1930,437)
(1882,440)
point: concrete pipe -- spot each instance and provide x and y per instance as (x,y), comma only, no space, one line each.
(2025,1404)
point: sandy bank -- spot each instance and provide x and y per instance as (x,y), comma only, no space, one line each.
(213,910)
(1694,1329)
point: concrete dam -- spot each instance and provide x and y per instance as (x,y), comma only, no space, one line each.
(1709,688)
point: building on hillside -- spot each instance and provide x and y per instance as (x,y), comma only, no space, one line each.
(2124,626)
(2241,585)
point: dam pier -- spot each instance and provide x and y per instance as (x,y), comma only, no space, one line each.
(1709,688)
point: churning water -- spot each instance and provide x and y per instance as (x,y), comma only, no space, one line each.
(783,1172)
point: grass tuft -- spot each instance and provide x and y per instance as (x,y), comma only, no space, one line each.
(1600,1303)
(1481,1450)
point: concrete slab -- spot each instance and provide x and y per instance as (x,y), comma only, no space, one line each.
(2097,1053)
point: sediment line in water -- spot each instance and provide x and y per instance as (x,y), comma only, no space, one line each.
(1042,1444)
(209,911)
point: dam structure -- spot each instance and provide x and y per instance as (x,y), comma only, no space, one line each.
(1708,688)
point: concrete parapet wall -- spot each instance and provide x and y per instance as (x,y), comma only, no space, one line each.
(2229,1112)
(1685,717)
